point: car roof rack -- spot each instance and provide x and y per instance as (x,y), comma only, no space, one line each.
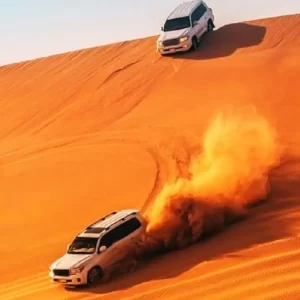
(102,219)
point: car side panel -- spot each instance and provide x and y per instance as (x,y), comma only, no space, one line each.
(118,253)
(120,249)
(205,18)
(209,13)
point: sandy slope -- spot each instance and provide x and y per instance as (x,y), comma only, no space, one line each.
(90,131)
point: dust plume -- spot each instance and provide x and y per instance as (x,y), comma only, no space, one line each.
(239,149)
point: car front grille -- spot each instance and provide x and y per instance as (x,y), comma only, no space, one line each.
(172,42)
(64,273)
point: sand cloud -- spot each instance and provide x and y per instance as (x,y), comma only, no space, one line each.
(239,150)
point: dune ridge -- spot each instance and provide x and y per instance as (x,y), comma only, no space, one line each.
(110,127)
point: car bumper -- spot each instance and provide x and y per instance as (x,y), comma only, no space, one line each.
(78,279)
(182,47)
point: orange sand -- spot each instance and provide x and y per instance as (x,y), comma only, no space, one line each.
(101,129)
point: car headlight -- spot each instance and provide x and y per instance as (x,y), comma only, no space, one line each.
(183,39)
(74,271)
(159,44)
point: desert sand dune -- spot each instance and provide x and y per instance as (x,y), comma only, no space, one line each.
(95,130)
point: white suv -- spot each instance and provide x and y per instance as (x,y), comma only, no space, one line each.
(97,248)
(185,26)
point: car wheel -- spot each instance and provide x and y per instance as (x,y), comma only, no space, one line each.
(210,27)
(194,43)
(94,275)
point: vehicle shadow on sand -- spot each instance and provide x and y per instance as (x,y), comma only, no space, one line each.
(225,41)
(267,222)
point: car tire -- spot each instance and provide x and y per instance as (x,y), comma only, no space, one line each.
(210,26)
(94,275)
(194,43)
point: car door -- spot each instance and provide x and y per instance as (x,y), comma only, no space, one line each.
(119,243)
(203,18)
(197,27)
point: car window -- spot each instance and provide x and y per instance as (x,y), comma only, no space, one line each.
(202,10)
(199,12)
(130,226)
(120,232)
(110,238)
(195,15)
(177,24)
(83,245)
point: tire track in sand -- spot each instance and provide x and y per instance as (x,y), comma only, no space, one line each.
(28,286)
(264,276)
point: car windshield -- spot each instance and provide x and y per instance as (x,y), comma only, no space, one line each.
(177,24)
(83,245)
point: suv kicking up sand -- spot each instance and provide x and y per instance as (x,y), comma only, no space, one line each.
(97,248)
(185,26)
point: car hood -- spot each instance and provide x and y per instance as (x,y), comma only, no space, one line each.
(173,34)
(70,261)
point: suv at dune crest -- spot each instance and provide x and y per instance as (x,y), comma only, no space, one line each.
(97,248)
(185,26)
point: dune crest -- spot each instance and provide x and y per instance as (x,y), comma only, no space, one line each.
(117,126)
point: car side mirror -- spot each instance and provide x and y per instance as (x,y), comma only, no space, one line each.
(195,23)
(162,28)
(102,249)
